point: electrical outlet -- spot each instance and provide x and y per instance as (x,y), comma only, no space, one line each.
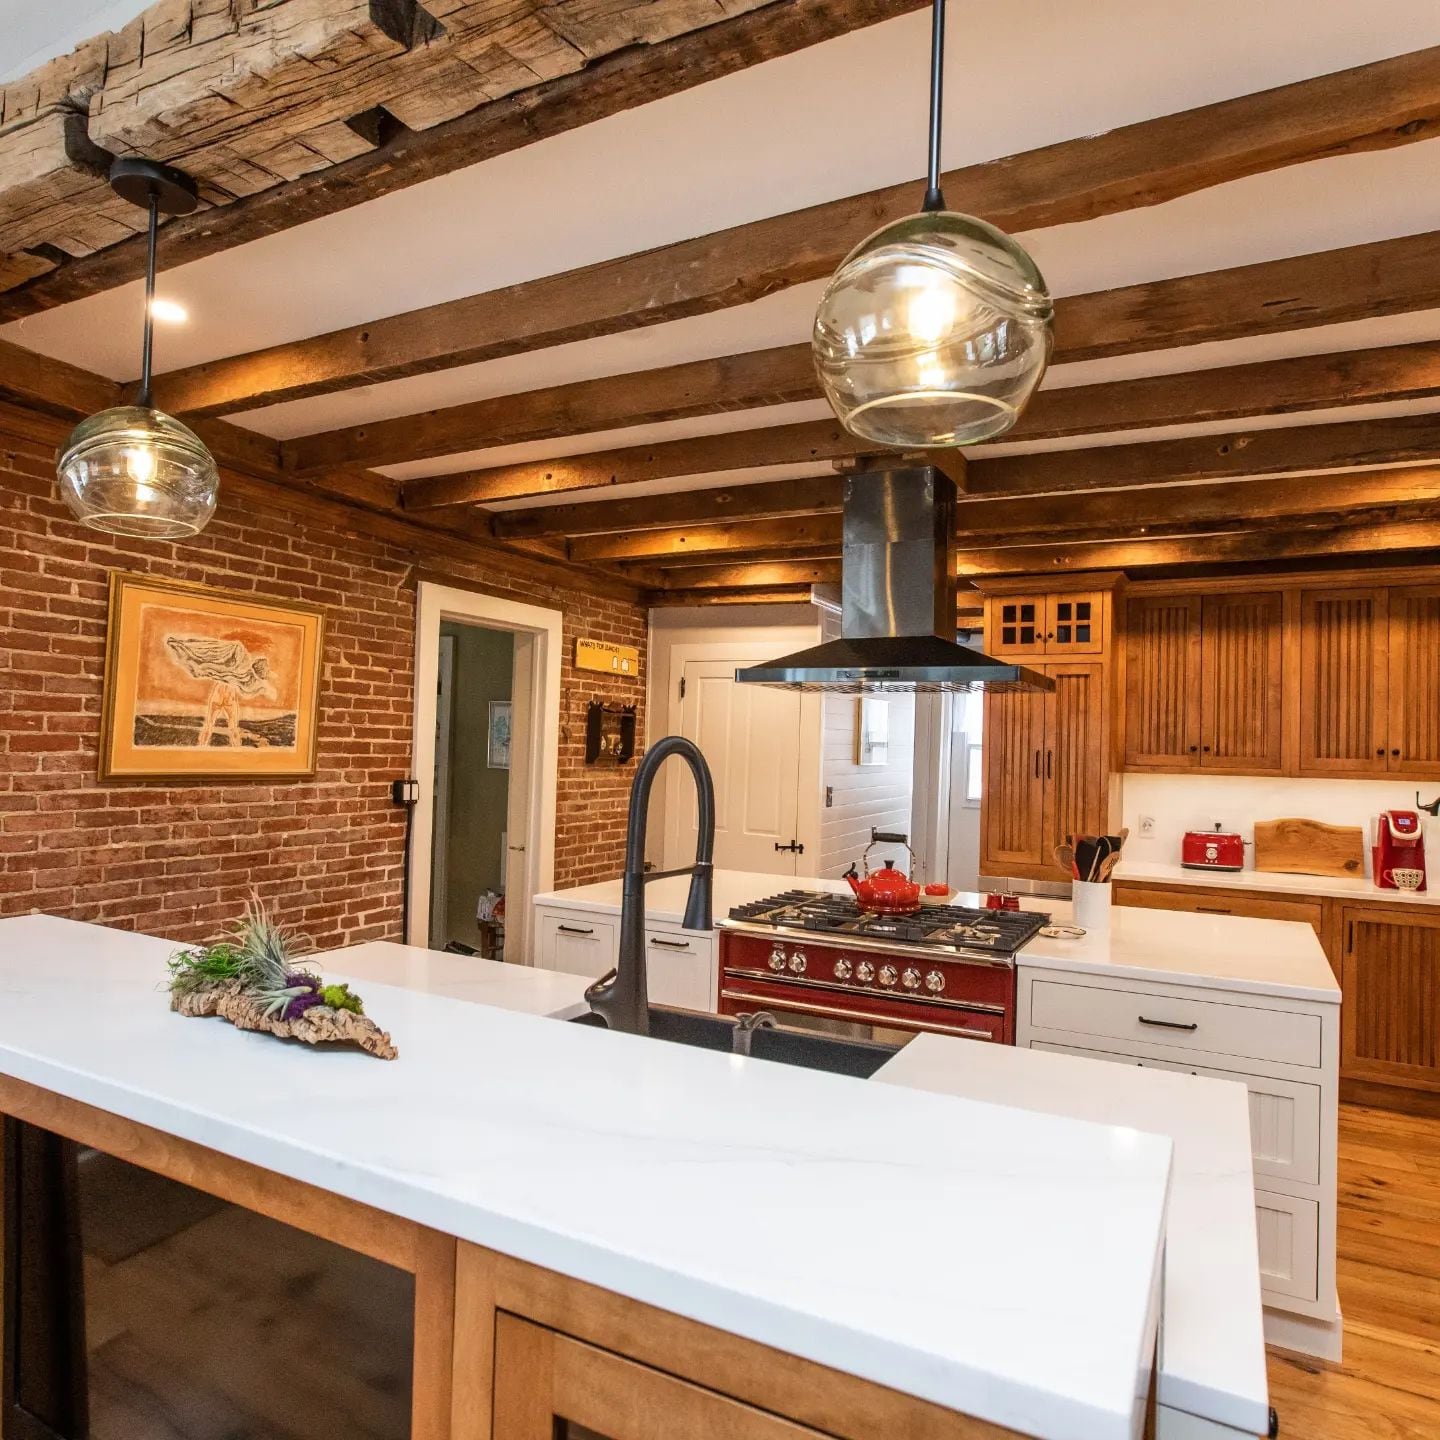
(1147,824)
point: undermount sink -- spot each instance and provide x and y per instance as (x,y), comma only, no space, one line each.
(860,1058)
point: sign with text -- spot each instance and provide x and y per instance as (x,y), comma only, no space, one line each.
(612,659)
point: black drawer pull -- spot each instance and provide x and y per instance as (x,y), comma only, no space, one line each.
(574,930)
(1212,910)
(1168,1024)
(670,944)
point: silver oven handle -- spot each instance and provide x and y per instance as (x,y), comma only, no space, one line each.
(863,1017)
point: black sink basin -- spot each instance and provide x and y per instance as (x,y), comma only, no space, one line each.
(860,1058)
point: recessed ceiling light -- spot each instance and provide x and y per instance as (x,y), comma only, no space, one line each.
(168,312)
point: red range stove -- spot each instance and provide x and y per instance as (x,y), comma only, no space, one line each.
(817,961)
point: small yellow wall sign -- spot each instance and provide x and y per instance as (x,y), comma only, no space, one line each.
(612,659)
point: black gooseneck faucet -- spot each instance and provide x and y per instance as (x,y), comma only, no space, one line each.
(622,998)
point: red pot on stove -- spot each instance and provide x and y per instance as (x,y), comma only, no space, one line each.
(886,891)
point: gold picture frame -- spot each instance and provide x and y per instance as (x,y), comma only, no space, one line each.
(202,683)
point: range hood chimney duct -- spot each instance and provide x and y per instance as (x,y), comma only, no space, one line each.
(898,600)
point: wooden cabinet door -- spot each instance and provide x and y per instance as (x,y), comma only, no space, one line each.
(1415,680)
(549,1386)
(1076,741)
(1343,712)
(1073,623)
(1012,812)
(1242,714)
(1015,625)
(1390,980)
(1162,681)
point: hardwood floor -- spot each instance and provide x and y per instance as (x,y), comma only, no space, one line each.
(1388,1387)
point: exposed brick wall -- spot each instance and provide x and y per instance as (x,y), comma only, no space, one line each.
(179,859)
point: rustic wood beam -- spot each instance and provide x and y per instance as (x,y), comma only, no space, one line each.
(661,546)
(765,576)
(1392,102)
(53,386)
(1234,455)
(398,157)
(777,500)
(1216,549)
(1281,503)
(1383,278)
(817,440)
(701,387)
(773,595)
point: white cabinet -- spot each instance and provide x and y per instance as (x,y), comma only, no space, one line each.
(680,963)
(1286,1053)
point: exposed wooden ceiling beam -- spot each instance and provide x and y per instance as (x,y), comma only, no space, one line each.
(1389,103)
(764,576)
(1378,279)
(680,561)
(661,547)
(1280,502)
(773,595)
(398,157)
(777,500)
(701,387)
(1217,549)
(1285,450)
(817,440)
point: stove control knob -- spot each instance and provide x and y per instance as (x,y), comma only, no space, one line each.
(934,982)
(777,958)
(843,969)
(865,972)
(797,962)
(888,974)
(911,978)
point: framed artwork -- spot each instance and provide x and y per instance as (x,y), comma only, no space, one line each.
(872,732)
(202,683)
(497,754)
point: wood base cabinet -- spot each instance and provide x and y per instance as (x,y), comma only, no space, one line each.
(1390,978)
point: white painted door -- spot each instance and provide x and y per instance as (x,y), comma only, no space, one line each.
(750,734)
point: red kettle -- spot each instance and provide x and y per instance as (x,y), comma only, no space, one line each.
(886,891)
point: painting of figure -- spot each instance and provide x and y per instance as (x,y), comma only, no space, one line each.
(203,682)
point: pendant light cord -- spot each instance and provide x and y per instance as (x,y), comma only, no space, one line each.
(934,200)
(143,398)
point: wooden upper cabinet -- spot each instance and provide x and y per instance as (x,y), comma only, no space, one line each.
(1074,624)
(1076,740)
(1162,681)
(1016,625)
(1344,719)
(1242,675)
(1414,698)
(1012,814)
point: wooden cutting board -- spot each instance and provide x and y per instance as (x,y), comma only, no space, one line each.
(1306,847)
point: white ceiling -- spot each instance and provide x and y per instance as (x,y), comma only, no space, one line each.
(840,118)
(34,31)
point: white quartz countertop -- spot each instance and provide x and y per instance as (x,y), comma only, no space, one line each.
(1212,1361)
(1154,873)
(1219,952)
(623,1162)
(665,899)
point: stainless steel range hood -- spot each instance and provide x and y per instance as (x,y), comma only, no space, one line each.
(898,596)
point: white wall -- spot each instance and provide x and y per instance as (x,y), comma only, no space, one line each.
(863,796)
(1195,802)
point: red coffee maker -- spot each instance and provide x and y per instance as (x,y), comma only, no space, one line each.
(1399,854)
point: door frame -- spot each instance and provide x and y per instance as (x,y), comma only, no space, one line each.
(539,630)
(746,652)
(440,819)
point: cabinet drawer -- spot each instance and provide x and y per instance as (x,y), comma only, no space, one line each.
(1286,1037)
(1218,902)
(576,942)
(1284,1114)
(680,968)
(1288,1229)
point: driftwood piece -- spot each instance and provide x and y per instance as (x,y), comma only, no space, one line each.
(317,1025)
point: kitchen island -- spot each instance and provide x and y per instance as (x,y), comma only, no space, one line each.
(561,1195)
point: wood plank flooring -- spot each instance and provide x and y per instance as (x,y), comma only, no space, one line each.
(1388,1387)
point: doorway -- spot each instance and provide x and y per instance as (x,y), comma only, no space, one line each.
(469,840)
(486,751)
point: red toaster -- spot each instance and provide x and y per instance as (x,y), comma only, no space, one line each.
(1215,849)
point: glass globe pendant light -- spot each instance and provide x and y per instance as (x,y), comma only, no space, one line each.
(134,470)
(936,329)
